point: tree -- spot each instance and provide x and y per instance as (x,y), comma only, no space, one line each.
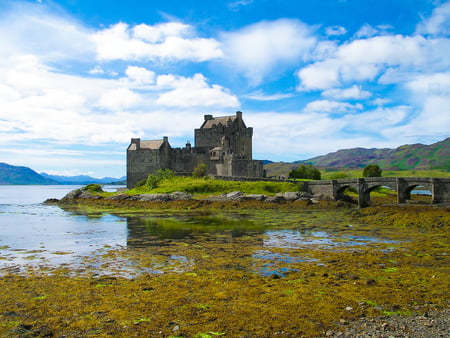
(200,171)
(372,170)
(305,172)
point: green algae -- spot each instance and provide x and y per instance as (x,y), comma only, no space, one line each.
(212,285)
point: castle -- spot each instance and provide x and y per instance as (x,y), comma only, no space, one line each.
(224,144)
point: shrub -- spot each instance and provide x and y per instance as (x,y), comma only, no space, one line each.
(305,172)
(153,180)
(140,183)
(372,170)
(200,171)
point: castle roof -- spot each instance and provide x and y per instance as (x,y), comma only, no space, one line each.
(155,144)
(215,121)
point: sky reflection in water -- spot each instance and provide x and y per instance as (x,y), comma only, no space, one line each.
(34,235)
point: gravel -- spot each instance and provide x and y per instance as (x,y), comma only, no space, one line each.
(435,323)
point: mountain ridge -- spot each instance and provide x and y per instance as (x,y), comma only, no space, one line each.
(416,156)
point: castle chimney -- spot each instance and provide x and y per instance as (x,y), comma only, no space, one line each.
(239,115)
(208,117)
(137,142)
(165,139)
(188,145)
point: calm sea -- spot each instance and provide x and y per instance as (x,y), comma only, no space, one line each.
(39,237)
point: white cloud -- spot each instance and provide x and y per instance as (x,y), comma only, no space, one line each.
(140,75)
(193,92)
(365,59)
(438,23)
(260,96)
(144,42)
(380,101)
(354,92)
(33,29)
(265,47)
(336,30)
(237,5)
(119,99)
(333,107)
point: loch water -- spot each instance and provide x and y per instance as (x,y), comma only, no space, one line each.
(40,237)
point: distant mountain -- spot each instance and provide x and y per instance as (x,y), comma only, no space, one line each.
(82,179)
(10,174)
(435,156)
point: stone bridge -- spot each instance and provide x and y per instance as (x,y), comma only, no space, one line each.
(439,187)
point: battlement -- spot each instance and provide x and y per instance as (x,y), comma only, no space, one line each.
(223,143)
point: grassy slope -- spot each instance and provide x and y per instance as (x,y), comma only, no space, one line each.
(208,186)
(282,169)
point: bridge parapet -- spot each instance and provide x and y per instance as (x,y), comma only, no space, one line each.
(439,187)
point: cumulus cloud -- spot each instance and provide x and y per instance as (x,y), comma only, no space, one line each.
(193,92)
(140,75)
(438,23)
(145,42)
(264,47)
(119,99)
(365,59)
(354,92)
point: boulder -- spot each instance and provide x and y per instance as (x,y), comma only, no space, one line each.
(234,195)
(120,197)
(276,199)
(72,194)
(253,197)
(180,195)
(154,197)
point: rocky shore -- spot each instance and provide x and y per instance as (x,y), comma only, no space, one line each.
(235,196)
(432,324)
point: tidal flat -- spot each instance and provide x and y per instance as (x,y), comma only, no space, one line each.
(198,269)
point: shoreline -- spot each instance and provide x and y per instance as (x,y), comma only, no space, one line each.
(394,287)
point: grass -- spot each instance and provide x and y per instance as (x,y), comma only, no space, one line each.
(205,186)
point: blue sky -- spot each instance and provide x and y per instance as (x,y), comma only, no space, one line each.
(79,78)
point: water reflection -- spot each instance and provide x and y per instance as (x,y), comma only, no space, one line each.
(146,231)
(40,237)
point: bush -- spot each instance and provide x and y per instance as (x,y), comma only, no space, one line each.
(305,172)
(372,170)
(200,171)
(153,180)
(140,183)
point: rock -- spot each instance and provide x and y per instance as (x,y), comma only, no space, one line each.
(290,196)
(276,199)
(51,201)
(73,194)
(234,195)
(253,197)
(119,197)
(180,195)
(154,197)
(348,308)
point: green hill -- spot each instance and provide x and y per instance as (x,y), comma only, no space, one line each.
(10,174)
(435,156)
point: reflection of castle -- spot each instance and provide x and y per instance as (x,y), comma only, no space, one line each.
(224,144)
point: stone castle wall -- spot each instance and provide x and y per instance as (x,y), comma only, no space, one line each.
(224,145)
